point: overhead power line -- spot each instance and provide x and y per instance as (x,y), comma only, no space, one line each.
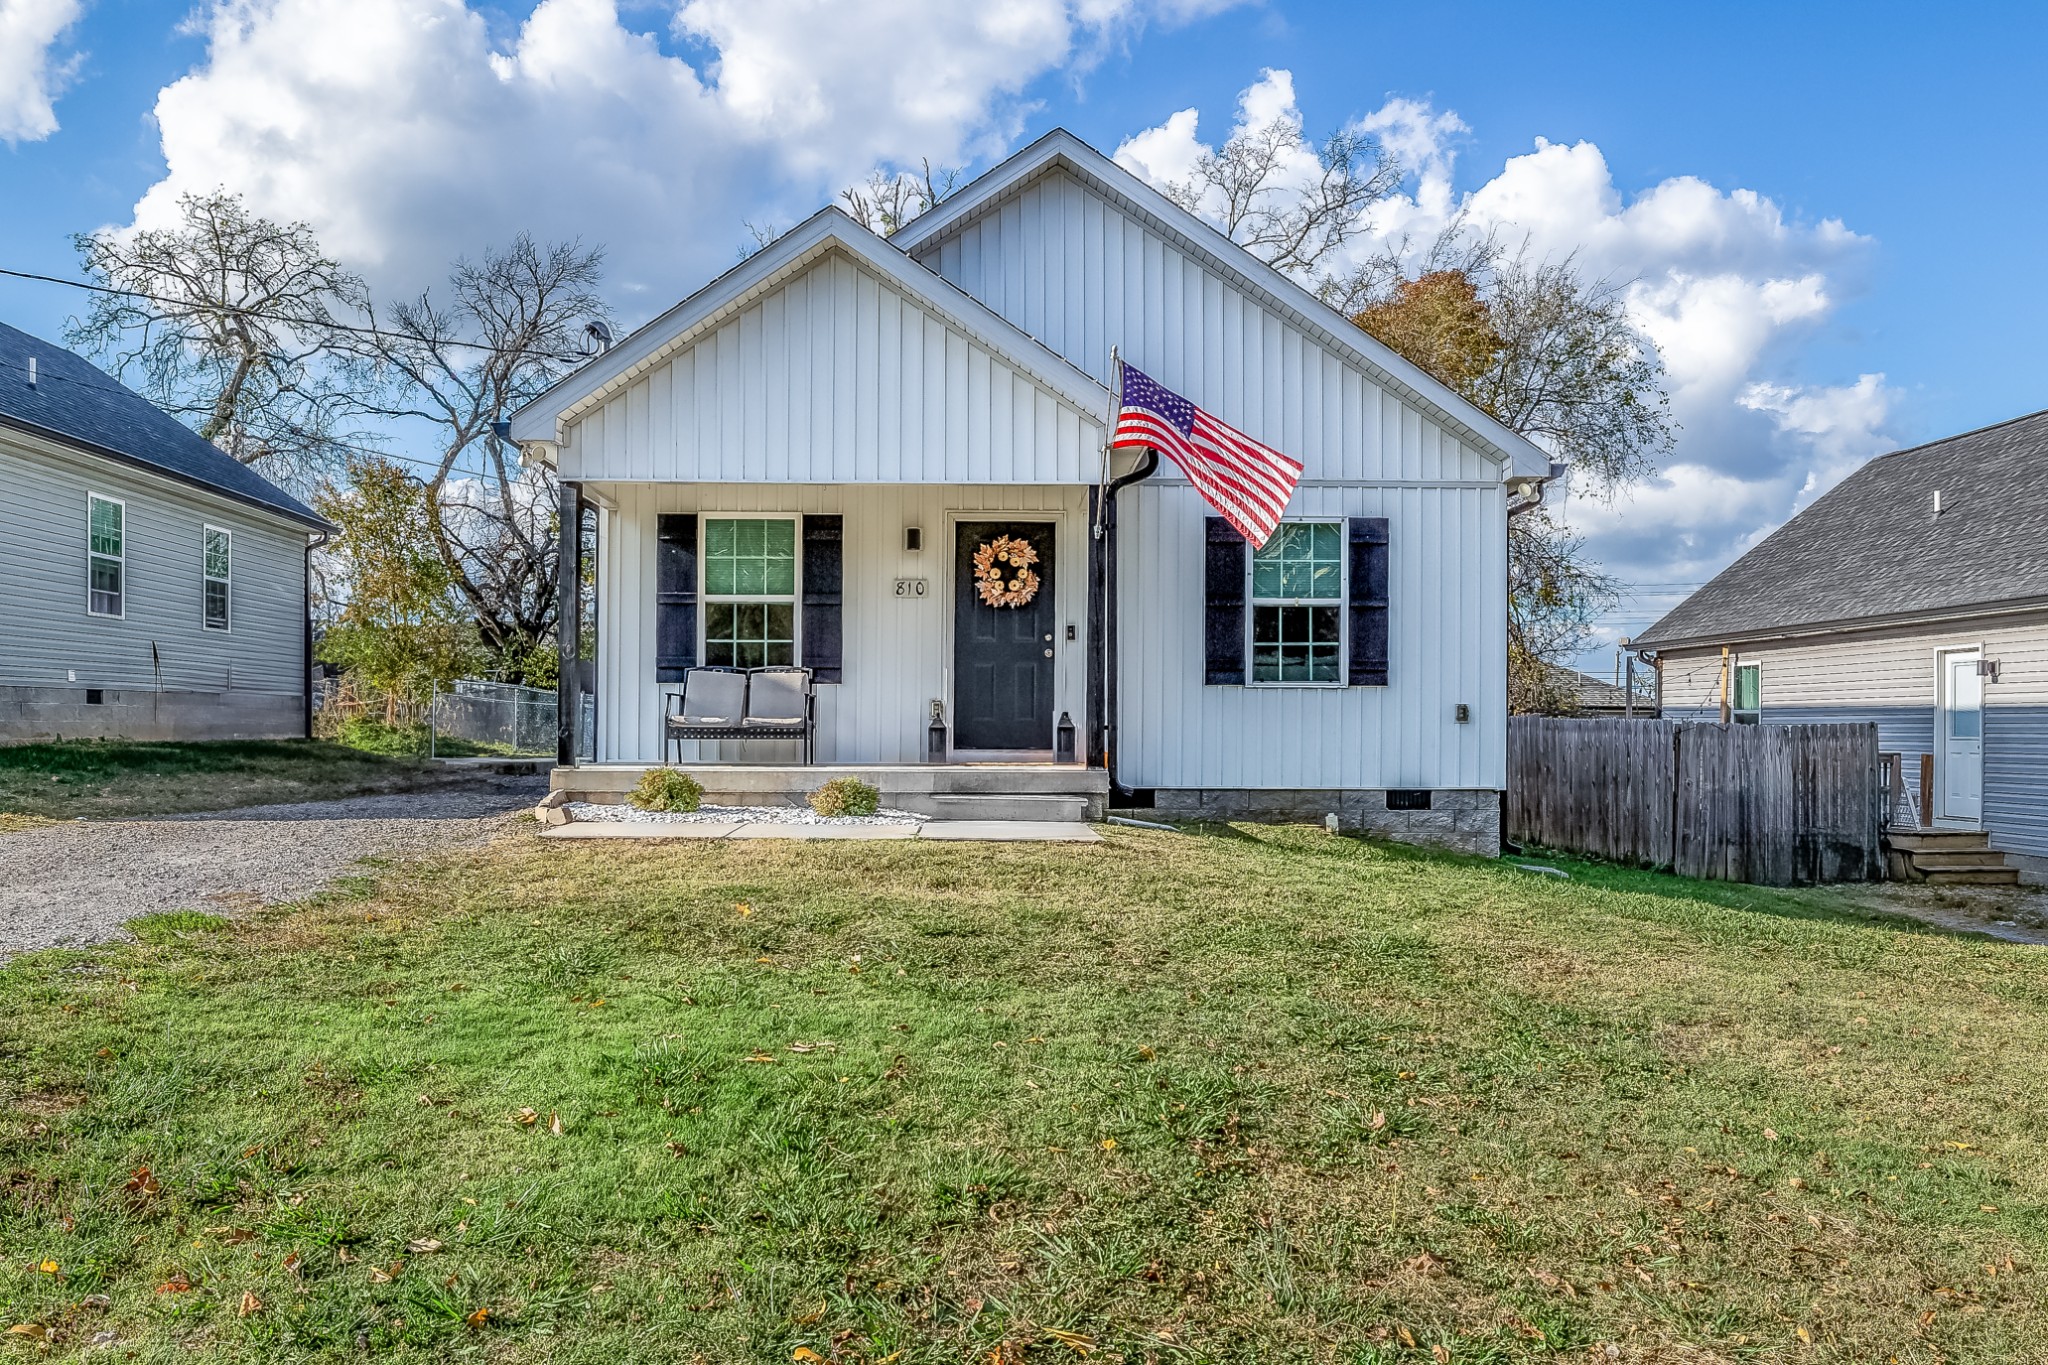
(357,329)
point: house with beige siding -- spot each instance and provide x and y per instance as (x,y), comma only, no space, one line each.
(1914,596)
(151,587)
(802,463)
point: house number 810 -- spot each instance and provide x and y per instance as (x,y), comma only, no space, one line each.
(910,587)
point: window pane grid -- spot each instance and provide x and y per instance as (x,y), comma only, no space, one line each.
(103,543)
(749,634)
(750,557)
(1297,592)
(105,531)
(217,560)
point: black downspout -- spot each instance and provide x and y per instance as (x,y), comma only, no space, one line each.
(568,630)
(1107,718)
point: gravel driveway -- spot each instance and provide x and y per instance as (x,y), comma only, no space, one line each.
(79,882)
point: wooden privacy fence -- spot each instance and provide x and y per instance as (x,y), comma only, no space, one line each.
(1777,805)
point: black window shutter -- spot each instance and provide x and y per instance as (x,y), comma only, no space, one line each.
(1223,621)
(1368,663)
(675,596)
(824,576)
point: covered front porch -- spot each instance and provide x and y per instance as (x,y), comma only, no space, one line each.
(874,589)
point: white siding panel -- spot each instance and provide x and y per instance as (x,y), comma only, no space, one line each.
(1189,328)
(1446,646)
(897,652)
(835,377)
(1889,679)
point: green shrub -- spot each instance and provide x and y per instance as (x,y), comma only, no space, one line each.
(667,789)
(846,796)
(375,737)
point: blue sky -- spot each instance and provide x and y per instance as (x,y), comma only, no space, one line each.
(1824,213)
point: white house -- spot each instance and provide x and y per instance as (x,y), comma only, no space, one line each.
(798,463)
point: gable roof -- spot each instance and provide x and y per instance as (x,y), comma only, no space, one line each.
(1061,150)
(545,418)
(77,403)
(1873,550)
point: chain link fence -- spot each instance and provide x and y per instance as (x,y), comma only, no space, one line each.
(484,718)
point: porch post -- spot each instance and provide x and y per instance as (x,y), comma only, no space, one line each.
(568,623)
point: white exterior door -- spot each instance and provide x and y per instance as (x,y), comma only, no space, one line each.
(1959,738)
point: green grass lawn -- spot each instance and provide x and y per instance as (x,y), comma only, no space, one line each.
(1256,1095)
(115,778)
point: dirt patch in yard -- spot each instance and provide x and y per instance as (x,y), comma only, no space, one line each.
(79,882)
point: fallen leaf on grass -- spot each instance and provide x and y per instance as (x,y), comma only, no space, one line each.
(1407,1337)
(1109,1144)
(806,1319)
(251,1305)
(760,1056)
(291,1264)
(379,1275)
(526,1117)
(1440,1353)
(1428,1263)
(476,1320)
(743,908)
(179,1283)
(804,1353)
(423,1246)
(1770,1135)
(554,1123)
(1080,1341)
(33,1330)
(50,1268)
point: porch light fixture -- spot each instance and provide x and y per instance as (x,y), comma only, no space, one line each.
(913,539)
(935,734)
(1063,739)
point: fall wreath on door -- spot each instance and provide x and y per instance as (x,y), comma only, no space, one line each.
(1002,571)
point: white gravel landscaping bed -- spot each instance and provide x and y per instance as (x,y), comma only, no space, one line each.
(728,815)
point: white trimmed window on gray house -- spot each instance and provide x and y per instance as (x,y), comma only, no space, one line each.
(1297,605)
(217,567)
(106,555)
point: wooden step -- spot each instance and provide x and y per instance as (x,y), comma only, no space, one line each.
(1945,840)
(1973,876)
(1959,859)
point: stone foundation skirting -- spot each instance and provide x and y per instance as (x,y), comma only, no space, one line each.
(29,714)
(1464,820)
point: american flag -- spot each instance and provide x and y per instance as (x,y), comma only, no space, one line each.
(1247,482)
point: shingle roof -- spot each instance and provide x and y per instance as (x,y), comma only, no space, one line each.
(77,402)
(1874,548)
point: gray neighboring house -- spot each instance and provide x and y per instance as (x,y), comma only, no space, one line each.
(151,587)
(1915,595)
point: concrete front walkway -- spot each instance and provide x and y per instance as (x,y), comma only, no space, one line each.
(990,831)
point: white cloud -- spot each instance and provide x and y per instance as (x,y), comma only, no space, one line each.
(1726,284)
(408,131)
(31,73)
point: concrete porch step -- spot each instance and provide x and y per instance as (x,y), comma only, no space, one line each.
(1015,806)
(949,791)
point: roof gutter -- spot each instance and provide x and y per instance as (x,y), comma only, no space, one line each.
(1854,625)
(1526,494)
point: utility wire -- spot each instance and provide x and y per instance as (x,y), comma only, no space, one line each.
(328,442)
(356,328)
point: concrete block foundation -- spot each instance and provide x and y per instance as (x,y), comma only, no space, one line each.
(32,714)
(1463,820)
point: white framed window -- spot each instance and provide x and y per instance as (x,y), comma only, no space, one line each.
(1297,606)
(1747,698)
(106,556)
(216,568)
(750,590)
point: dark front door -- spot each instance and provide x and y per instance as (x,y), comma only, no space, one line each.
(1002,654)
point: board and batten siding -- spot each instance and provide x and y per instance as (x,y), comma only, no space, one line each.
(48,633)
(1068,265)
(1888,678)
(836,376)
(1446,645)
(898,651)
